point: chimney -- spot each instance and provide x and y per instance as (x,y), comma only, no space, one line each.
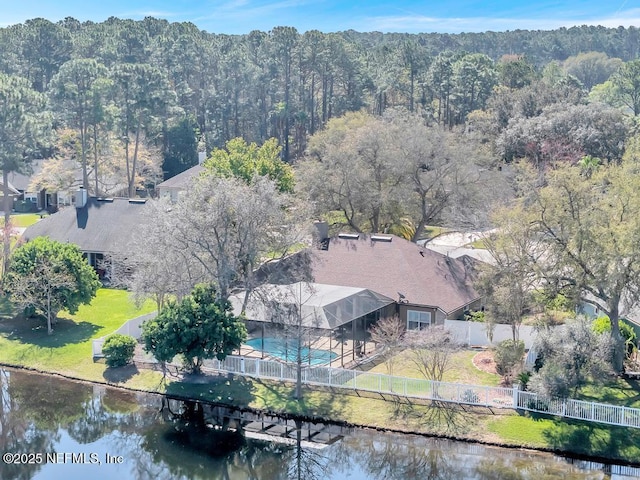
(202,156)
(80,198)
(322,235)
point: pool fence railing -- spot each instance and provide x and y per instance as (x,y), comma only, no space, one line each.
(358,380)
(477,395)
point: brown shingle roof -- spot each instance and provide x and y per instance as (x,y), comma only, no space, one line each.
(396,267)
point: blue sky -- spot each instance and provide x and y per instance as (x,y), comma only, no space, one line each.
(242,16)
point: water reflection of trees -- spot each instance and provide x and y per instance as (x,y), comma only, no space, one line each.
(17,435)
(195,444)
(497,468)
(192,443)
(395,457)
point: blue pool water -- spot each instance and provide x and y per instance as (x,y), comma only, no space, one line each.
(285,350)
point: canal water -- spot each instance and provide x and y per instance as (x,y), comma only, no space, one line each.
(56,429)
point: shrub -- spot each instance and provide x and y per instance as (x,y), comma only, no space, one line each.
(475,316)
(523,378)
(508,355)
(119,349)
(603,325)
(470,396)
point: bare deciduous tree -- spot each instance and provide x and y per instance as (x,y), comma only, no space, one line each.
(231,228)
(222,230)
(158,267)
(389,334)
(432,350)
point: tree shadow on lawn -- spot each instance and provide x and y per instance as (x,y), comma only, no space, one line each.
(315,402)
(619,391)
(120,374)
(226,389)
(607,441)
(33,330)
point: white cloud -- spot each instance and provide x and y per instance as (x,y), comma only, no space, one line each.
(243,9)
(421,23)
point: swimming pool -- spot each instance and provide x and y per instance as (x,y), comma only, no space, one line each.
(285,350)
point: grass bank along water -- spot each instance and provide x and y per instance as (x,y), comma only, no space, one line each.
(23,343)
(199,440)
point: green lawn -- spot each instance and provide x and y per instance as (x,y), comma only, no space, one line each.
(431,231)
(23,220)
(68,349)
(567,435)
(504,427)
(462,369)
(617,391)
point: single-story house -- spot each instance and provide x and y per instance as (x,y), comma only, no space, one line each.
(427,287)
(28,199)
(173,187)
(101,227)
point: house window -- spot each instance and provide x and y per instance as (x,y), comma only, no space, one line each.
(417,320)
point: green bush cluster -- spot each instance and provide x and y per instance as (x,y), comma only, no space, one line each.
(119,349)
(603,325)
(508,355)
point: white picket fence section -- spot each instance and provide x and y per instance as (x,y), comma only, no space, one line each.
(131,327)
(495,397)
(478,395)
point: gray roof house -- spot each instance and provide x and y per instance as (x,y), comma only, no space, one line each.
(31,199)
(172,187)
(99,226)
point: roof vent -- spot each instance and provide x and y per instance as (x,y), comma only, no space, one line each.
(350,236)
(138,200)
(80,198)
(381,238)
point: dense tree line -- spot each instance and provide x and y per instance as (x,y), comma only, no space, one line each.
(132,89)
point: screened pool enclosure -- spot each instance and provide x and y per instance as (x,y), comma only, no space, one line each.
(327,317)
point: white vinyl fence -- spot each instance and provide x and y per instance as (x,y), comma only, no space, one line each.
(132,327)
(496,397)
(485,396)
(475,333)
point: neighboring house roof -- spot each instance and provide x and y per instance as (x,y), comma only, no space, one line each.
(183,180)
(398,269)
(101,226)
(320,306)
(479,254)
(21,181)
(13,190)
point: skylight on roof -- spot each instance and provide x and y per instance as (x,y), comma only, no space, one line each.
(351,236)
(381,238)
